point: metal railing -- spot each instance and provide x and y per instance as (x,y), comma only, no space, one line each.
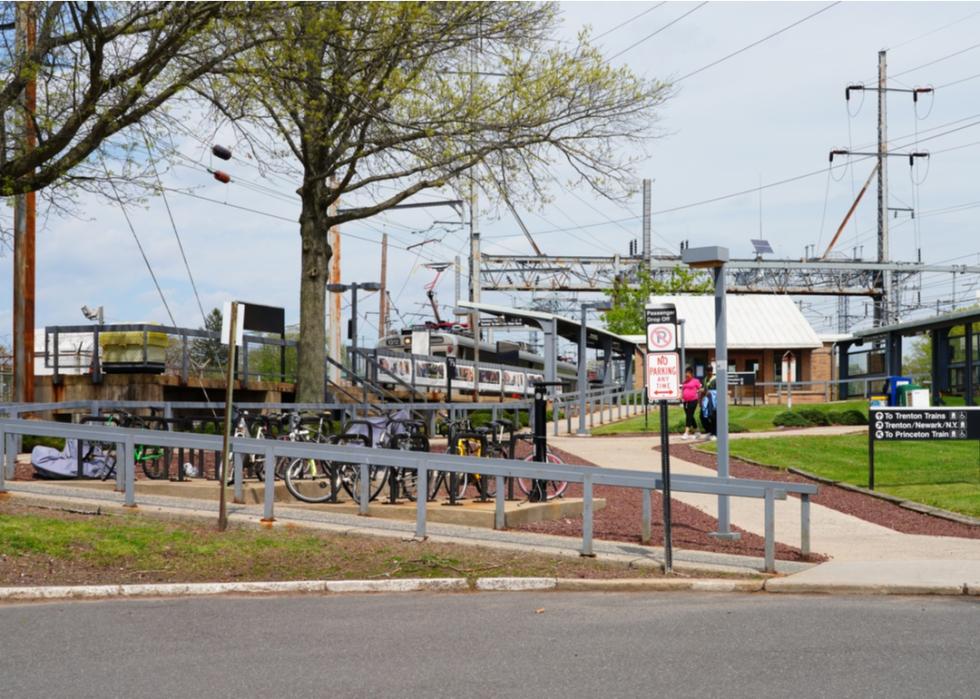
(500,469)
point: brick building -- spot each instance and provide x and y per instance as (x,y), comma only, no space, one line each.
(767,334)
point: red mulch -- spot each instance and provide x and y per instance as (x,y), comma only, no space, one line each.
(620,520)
(866,507)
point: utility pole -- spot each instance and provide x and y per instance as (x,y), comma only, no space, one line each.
(475,260)
(883,303)
(383,296)
(25,216)
(647,248)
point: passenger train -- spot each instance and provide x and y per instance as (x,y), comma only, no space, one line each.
(506,368)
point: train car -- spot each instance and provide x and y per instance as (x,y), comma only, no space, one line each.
(505,368)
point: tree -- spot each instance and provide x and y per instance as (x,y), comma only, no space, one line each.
(628,298)
(99,69)
(371,103)
(210,353)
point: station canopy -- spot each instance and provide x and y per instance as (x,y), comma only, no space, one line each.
(564,327)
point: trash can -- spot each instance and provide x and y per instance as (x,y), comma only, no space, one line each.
(892,388)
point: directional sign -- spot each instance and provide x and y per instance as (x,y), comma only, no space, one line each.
(891,424)
(663,378)
(662,337)
(741,378)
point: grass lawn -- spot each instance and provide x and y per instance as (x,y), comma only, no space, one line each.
(752,418)
(941,474)
(49,547)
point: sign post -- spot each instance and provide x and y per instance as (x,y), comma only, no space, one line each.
(663,384)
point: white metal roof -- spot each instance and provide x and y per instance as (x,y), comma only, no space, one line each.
(754,322)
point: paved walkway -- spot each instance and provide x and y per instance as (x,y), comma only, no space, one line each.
(841,536)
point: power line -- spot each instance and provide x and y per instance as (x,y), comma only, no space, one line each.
(654,33)
(149,267)
(173,225)
(629,21)
(933,31)
(756,43)
(937,60)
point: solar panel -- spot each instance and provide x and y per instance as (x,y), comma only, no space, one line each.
(761,246)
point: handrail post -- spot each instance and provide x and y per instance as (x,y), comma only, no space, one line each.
(645,534)
(770,525)
(129,466)
(587,517)
(239,496)
(421,499)
(270,486)
(4,451)
(500,515)
(805,524)
(365,491)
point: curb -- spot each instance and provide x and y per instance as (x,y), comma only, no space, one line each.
(658,585)
(785,585)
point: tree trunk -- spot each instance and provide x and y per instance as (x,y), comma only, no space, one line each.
(311,372)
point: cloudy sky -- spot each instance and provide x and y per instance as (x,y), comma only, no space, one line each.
(767,114)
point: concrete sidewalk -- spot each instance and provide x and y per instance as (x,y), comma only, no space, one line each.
(865,556)
(833,533)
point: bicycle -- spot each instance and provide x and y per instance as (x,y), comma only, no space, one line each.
(154,461)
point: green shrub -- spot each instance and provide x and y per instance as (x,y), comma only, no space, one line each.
(853,417)
(30,441)
(835,417)
(734,427)
(676,428)
(814,416)
(788,418)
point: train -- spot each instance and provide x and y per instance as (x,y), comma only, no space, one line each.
(505,368)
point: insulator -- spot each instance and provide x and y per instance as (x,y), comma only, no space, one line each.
(221,152)
(221,176)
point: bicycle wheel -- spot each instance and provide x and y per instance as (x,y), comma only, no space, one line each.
(351,480)
(154,461)
(107,451)
(553,489)
(310,480)
(407,481)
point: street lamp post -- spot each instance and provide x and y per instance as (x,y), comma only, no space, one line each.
(353,287)
(714,258)
(582,371)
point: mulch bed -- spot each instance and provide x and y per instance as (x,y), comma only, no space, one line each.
(620,520)
(866,507)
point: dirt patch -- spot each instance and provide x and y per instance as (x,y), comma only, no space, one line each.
(866,507)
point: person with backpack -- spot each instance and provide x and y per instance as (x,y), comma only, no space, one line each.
(690,395)
(709,404)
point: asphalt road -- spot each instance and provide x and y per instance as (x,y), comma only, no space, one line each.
(492,645)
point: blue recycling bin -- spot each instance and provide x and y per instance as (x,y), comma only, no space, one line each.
(894,382)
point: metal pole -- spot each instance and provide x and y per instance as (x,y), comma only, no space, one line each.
(721,384)
(647,202)
(582,375)
(353,332)
(883,311)
(383,295)
(226,442)
(683,366)
(665,474)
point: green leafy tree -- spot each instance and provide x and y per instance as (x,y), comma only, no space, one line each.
(629,297)
(370,103)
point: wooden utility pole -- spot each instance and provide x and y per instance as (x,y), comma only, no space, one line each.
(25,216)
(383,296)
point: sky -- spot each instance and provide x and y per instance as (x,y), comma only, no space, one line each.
(769,113)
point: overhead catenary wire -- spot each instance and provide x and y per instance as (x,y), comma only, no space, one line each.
(628,21)
(655,32)
(756,43)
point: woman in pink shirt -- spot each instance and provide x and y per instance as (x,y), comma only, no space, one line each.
(690,392)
